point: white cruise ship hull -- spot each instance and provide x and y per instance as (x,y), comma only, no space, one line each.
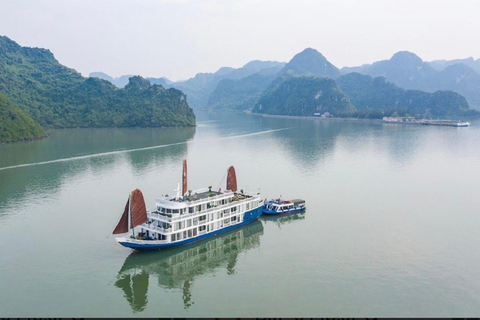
(144,245)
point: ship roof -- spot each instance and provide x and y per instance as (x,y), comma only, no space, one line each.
(201,195)
(297,201)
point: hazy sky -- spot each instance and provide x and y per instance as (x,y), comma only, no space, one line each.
(178,39)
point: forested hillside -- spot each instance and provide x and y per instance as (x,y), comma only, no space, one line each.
(16,125)
(59,97)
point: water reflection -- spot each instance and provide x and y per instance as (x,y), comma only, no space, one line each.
(279,220)
(75,152)
(177,268)
(311,141)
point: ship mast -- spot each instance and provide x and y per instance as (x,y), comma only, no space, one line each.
(130,213)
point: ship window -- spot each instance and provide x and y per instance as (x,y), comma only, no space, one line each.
(191,209)
(202,218)
(202,228)
(194,232)
(248,206)
(234,218)
(234,209)
(190,233)
(199,208)
(169,210)
(195,221)
(174,238)
(189,222)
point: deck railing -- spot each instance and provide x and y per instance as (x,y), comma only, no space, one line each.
(219,196)
(165,218)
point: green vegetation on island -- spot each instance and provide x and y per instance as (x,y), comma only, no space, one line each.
(16,125)
(241,94)
(307,86)
(376,98)
(305,96)
(58,97)
(410,72)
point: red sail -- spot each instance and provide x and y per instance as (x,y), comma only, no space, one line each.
(138,209)
(184,182)
(231,179)
(122,226)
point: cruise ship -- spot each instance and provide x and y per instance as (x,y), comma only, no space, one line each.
(187,217)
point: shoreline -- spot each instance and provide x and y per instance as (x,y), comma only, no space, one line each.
(346,119)
(315,118)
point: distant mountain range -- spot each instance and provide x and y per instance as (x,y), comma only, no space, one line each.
(375,97)
(408,71)
(199,88)
(39,92)
(240,89)
(439,65)
(51,95)
(297,89)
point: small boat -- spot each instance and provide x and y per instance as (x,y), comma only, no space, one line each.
(187,217)
(279,206)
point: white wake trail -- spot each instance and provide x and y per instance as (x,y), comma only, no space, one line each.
(102,154)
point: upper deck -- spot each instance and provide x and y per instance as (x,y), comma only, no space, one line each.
(200,196)
(199,202)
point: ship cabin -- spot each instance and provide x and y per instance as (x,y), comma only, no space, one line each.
(201,212)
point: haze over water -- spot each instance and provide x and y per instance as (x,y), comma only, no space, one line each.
(391,227)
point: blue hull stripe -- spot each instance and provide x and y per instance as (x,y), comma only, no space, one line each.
(274,213)
(248,217)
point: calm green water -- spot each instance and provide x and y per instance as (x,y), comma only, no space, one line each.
(392,226)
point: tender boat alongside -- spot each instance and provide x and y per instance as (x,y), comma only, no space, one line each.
(187,217)
(279,206)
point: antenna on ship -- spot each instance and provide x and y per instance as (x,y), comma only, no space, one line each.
(177,197)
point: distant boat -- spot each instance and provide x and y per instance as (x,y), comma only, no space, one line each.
(449,123)
(279,206)
(186,218)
